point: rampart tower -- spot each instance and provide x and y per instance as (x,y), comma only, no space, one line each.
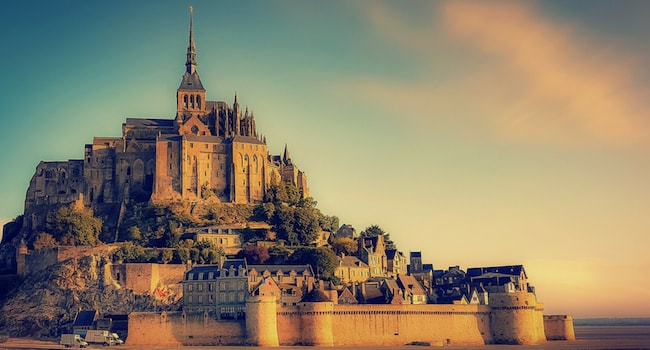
(516,319)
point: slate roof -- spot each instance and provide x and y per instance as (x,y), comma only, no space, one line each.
(247,139)
(346,296)
(204,138)
(514,270)
(374,295)
(191,82)
(202,272)
(351,261)
(411,284)
(273,269)
(315,296)
(149,122)
(85,318)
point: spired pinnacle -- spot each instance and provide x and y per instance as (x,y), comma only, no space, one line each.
(190,63)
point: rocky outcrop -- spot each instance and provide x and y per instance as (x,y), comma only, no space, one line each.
(46,303)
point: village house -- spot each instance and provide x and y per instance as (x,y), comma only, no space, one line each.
(223,289)
(351,269)
(396,263)
(372,251)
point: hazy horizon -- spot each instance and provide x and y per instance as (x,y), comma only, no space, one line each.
(479,133)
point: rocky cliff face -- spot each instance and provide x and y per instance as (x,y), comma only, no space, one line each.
(46,303)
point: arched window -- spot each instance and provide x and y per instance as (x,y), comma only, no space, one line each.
(198,101)
(192,101)
(255,163)
(185,101)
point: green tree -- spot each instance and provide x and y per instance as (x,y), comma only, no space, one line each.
(329,223)
(182,254)
(130,252)
(374,231)
(166,255)
(345,245)
(44,240)
(254,253)
(134,233)
(322,260)
(278,255)
(305,225)
(283,224)
(76,226)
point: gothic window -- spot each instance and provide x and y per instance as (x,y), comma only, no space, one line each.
(255,163)
(198,101)
(192,101)
(185,101)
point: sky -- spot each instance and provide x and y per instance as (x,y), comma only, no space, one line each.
(480,133)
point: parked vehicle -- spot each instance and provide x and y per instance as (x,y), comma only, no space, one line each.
(94,336)
(73,341)
(116,339)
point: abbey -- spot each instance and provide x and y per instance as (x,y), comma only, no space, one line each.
(210,148)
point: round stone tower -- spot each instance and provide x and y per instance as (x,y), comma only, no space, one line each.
(514,319)
(316,316)
(261,320)
(21,259)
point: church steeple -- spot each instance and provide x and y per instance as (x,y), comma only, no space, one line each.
(190,63)
(190,96)
(286,157)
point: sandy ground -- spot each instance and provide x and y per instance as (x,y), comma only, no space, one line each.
(590,338)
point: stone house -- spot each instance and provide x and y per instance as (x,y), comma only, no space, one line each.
(396,263)
(372,251)
(351,269)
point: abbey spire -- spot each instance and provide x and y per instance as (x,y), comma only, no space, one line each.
(190,96)
(190,63)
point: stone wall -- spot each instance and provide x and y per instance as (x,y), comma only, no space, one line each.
(386,325)
(147,278)
(514,318)
(179,328)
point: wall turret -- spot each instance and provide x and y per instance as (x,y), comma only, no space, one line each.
(261,315)
(316,316)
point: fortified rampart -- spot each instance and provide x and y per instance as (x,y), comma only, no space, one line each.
(514,318)
(559,327)
(180,328)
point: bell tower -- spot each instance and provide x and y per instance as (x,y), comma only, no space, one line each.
(190,96)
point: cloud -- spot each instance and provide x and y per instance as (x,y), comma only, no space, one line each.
(529,78)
